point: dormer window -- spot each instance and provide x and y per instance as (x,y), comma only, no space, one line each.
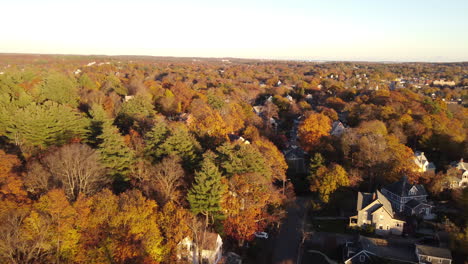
(413,191)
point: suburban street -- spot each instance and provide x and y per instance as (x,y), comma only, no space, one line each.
(287,243)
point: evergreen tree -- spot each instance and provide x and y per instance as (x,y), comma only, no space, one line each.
(240,159)
(154,139)
(183,144)
(176,141)
(206,192)
(61,89)
(136,113)
(40,126)
(115,154)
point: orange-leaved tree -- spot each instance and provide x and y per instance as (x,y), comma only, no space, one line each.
(313,129)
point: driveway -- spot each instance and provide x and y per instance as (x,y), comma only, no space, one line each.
(289,238)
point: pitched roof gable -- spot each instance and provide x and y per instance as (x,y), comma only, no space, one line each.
(364,199)
(402,187)
(381,199)
(434,251)
(384,201)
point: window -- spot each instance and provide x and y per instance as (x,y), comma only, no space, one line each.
(397,224)
(440,260)
(381,217)
(388,227)
(362,258)
(380,227)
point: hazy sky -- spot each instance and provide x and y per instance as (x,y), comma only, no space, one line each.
(403,30)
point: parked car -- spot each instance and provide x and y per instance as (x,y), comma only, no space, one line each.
(261,235)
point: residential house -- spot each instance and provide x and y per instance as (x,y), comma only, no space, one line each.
(410,199)
(429,254)
(129,97)
(377,250)
(422,163)
(460,179)
(337,129)
(238,139)
(354,253)
(375,209)
(273,123)
(295,157)
(443,83)
(258,109)
(210,251)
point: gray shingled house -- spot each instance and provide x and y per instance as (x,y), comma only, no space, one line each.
(410,199)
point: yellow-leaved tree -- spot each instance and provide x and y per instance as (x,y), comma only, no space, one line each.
(313,129)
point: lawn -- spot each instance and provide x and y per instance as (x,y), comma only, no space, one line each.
(333,226)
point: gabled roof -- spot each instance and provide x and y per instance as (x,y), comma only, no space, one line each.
(434,251)
(461,165)
(294,152)
(388,249)
(337,128)
(363,200)
(402,187)
(378,197)
(384,201)
(370,257)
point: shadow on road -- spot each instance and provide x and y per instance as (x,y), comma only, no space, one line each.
(289,238)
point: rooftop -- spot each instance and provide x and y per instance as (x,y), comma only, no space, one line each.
(434,251)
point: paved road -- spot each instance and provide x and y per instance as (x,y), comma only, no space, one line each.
(290,236)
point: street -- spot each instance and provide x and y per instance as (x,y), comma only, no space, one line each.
(287,243)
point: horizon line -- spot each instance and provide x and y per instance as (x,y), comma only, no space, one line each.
(279,59)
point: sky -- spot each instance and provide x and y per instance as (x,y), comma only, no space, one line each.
(362,30)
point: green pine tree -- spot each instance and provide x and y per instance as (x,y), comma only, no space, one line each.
(239,159)
(206,192)
(183,144)
(154,139)
(176,141)
(60,88)
(116,156)
(43,125)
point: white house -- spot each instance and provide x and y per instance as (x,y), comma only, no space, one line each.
(375,209)
(422,163)
(461,178)
(210,249)
(129,97)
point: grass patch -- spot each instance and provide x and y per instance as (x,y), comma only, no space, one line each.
(333,226)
